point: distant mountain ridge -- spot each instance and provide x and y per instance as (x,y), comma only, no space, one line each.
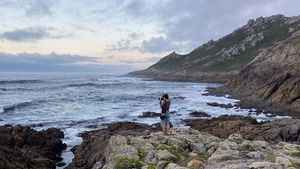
(219,61)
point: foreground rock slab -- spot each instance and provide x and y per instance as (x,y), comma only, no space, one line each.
(156,150)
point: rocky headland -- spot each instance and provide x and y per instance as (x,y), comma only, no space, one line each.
(220,60)
(22,147)
(259,63)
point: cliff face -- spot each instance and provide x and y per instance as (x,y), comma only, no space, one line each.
(272,78)
(218,61)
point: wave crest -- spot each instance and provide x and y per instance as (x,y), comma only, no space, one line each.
(18,106)
(19,81)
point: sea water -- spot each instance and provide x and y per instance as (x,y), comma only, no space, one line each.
(72,102)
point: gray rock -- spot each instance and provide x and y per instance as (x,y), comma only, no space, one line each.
(264,165)
(283,161)
(151,157)
(174,166)
(164,155)
(161,165)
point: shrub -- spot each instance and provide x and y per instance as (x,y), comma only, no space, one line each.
(128,163)
(142,154)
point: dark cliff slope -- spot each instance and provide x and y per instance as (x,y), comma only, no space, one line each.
(272,79)
(218,61)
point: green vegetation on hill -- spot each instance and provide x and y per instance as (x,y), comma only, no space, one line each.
(210,58)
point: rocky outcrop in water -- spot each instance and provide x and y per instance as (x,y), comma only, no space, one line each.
(23,147)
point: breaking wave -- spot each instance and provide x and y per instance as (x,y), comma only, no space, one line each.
(19,81)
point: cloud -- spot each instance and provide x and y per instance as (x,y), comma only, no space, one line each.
(134,35)
(50,59)
(192,22)
(121,45)
(26,62)
(125,44)
(157,45)
(27,34)
(40,8)
(32,34)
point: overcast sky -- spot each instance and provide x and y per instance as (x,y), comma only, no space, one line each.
(117,36)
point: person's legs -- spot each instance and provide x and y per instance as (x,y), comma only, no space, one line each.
(163,126)
(163,129)
(168,125)
(168,129)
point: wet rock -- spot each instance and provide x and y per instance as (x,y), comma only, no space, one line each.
(60,164)
(199,114)
(179,97)
(149,115)
(215,104)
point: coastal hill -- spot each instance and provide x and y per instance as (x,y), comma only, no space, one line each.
(272,79)
(219,61)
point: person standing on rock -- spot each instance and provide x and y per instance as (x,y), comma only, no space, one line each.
(165,114)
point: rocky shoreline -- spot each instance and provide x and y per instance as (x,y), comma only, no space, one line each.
(235,141)
(219,140)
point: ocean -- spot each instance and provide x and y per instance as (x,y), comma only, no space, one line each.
(72,102)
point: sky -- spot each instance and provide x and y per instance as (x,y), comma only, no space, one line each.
(117,36)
